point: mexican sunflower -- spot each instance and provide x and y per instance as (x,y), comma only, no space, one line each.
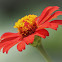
(28,27)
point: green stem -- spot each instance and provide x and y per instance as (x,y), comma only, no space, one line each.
(41,49)
(37,43)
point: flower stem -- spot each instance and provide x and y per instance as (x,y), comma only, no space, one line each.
(37,43)
(41,49)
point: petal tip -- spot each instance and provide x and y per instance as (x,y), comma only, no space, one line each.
(0,38)
(6,52)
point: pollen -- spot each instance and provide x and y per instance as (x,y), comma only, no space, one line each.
(26,24)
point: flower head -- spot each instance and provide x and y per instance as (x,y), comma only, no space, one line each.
(28,27)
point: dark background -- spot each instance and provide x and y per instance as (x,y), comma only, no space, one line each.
(11,11)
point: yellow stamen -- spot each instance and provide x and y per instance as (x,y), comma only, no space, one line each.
(25,23)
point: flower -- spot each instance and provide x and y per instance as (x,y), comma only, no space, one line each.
(28,27)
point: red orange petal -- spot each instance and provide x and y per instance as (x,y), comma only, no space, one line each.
(53,24)
(29,39)
(42,33)
(48,13)
(9,34)
(43,13)
(10,44)
(8,39)
(44,25)
(48,25)
(21,46)
(57,13)
(5,42)
(59,22)
(43,36)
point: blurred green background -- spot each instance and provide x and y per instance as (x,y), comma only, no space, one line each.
(11,11)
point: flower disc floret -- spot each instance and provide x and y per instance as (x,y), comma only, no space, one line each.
(26,25)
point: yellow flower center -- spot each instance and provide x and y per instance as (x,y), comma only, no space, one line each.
(26,25)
